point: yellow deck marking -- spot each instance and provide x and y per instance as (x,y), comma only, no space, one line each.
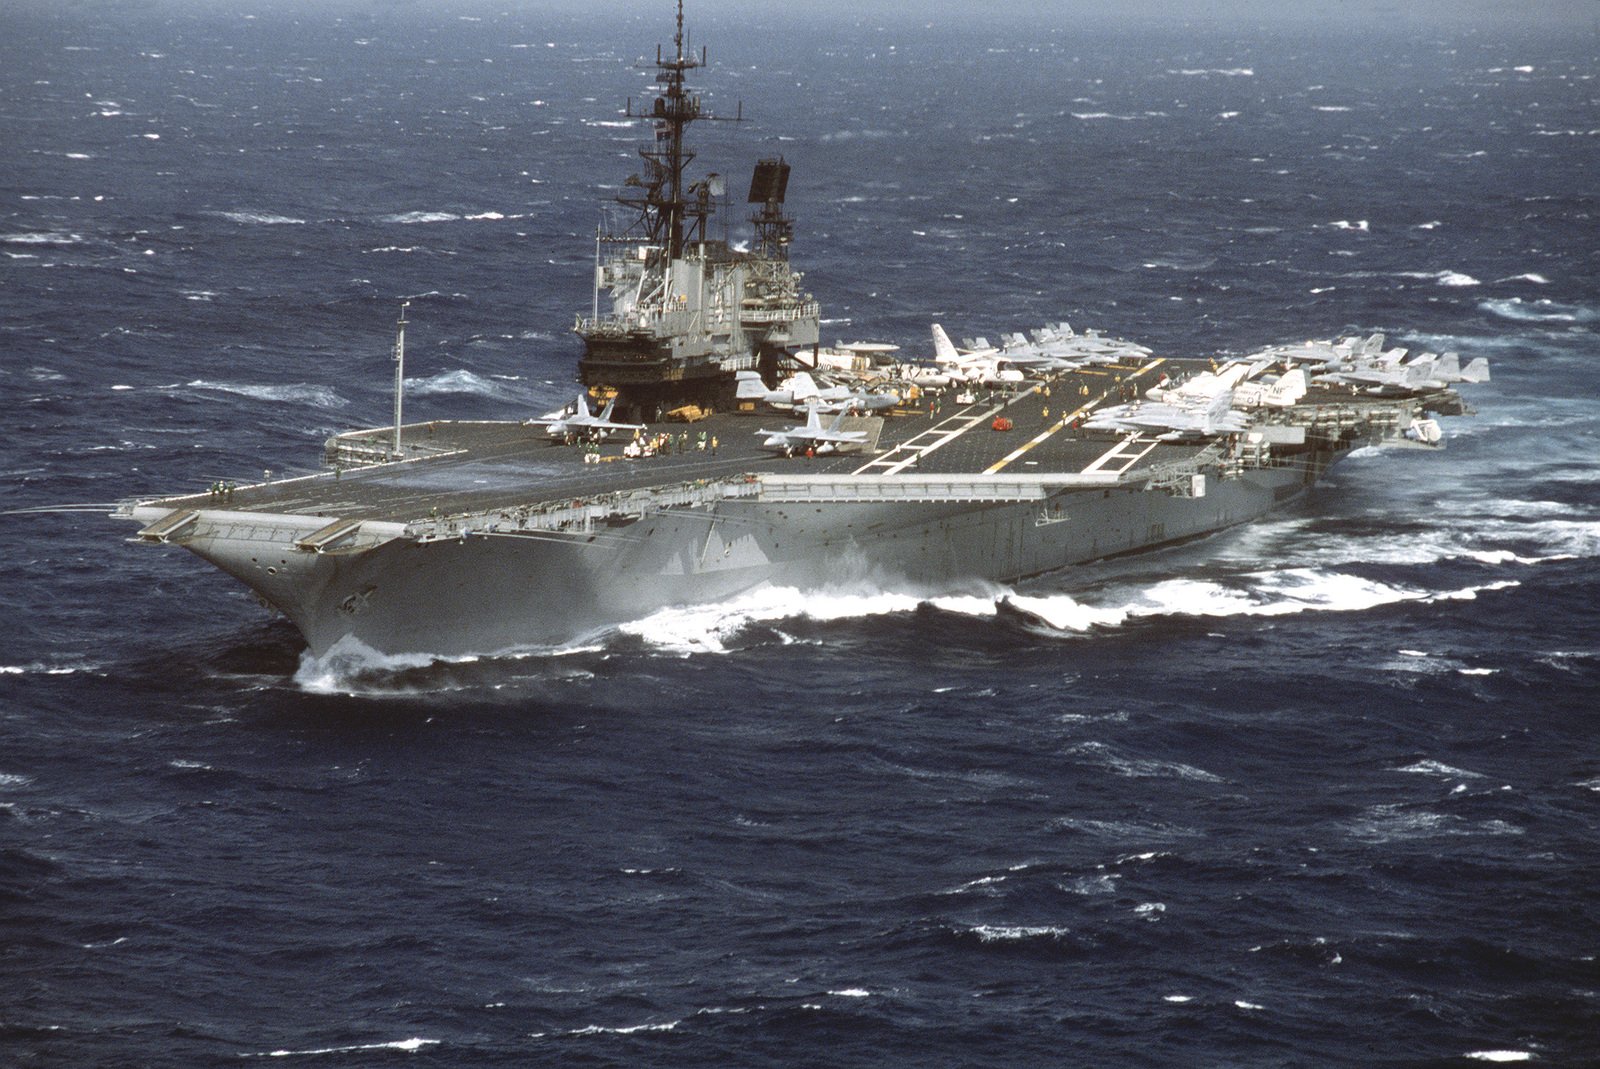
(1056,425)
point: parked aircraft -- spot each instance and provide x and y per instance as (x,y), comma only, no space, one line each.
(800,390)
(1173,422)
(813,435)
(576,420)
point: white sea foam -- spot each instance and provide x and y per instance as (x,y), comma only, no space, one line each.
(990,933)
(1063,613)
(1390,823)
(40,669)
(261,218)
(13,779)
(707,628)
(1142,767)
(349,659)
(1230,72)
(1499,1055)
(461,381)
(1542,310)
(851,992)
(1091,115)
(970,885)
(297,393)
(1331,107)
(687,630)
(1177,998)
(408,218)
(1345,224)
(1529,277)
(1430,767)
(1444,278)
(408,1045)
(620,1030)
(45,237)
(1243,1005)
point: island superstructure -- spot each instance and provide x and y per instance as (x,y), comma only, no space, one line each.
(684,310)
(672,478)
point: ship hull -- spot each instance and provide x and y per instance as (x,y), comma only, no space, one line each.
(488,593)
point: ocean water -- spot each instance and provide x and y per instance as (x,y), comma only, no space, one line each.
(1322,791)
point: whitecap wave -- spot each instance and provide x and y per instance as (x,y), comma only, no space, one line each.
(993,933)
(408,218)
(1143,767)
(461,380)
(298,392)
(1391,823)
(349,662)
(1430,767)
(1543,310)
(256,218)
(708,628)
(604,1030)
(1092,115)
(1499,1055)
(410,1045)
(42,237)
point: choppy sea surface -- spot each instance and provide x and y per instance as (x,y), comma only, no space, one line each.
(1324,791)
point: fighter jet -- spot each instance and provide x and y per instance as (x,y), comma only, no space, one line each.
(1173,422)
(792,440)
(576,420)
(979,362)
(801,390)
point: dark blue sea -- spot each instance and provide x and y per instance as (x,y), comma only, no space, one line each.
(1321,792)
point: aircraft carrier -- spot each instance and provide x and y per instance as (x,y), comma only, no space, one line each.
(452,537)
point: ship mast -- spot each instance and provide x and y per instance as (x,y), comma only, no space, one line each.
(671,213)
(399,373)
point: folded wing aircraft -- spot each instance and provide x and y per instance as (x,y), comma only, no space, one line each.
(576,420)
(813,435)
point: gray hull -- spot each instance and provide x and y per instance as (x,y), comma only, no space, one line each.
(486,592)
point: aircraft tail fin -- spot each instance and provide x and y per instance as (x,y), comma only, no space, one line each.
(750,387)
(605,417)
(1290,387)
(1217,410)
(1477,370)
(944,350)
(802,387)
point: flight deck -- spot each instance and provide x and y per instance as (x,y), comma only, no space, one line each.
(466,468)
